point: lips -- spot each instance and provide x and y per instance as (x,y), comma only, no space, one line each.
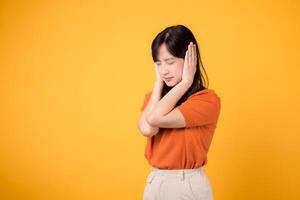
(168,78)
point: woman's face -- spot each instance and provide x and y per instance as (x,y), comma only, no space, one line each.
(169,66)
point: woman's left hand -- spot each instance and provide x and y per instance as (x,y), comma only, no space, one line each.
(190,62)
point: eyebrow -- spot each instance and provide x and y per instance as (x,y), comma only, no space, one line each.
(166,59)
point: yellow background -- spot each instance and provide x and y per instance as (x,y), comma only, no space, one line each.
(73,77)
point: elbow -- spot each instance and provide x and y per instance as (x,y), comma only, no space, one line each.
(148,131)
(148,125)
(152,120)
(149,134)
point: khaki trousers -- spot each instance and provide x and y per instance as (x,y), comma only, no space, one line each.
(177,184)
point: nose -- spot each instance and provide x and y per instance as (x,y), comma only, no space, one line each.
(164,70)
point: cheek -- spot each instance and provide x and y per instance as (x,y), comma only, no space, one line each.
(177,72)
(179,69)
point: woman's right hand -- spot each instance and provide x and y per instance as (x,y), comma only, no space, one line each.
(158,80)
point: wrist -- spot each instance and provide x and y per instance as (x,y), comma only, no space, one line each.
(159,83)
(186,82)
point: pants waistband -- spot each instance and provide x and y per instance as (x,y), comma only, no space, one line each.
(176,173)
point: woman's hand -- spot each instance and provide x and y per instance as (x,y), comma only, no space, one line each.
(190,62)
(158,80)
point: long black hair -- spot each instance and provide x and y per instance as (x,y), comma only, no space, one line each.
(177,39)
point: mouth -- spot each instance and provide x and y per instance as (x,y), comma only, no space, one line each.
(168,79)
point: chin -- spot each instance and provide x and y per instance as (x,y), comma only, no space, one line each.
(170,84)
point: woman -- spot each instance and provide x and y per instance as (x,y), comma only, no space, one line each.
(179,117)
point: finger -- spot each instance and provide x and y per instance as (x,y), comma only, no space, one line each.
(190,54)
(195,54)
(186,57)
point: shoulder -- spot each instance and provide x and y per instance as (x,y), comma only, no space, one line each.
(206,95)
(148,94)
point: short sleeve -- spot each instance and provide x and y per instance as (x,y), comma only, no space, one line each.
(200,109)
(146,99)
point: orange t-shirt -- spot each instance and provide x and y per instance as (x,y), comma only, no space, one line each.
(186,147)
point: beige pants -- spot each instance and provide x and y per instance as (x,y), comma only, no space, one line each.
(178,184)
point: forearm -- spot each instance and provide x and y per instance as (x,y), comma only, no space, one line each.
(154,99)
(167,103)
(144,126)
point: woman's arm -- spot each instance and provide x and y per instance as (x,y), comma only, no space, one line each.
(145,128)
(163,115)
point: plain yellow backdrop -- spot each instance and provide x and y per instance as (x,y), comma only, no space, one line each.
(74,74)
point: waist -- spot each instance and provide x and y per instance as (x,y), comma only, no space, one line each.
(177,172)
